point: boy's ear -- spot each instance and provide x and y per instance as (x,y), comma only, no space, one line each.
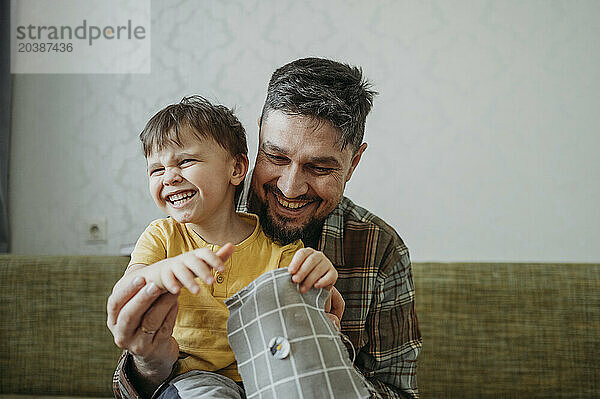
(240,168)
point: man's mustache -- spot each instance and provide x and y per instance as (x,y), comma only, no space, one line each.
(269,187)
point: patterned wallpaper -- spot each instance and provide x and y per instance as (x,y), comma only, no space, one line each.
(482,143)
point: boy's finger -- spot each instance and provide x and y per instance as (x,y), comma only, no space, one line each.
(310,262)
(315,274)
(186,277)
(200,268)
(226,251)
(327,280)
(208,257)
(337,303)
(170,281)
(299,259)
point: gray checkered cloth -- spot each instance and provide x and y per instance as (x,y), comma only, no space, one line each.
(315,362)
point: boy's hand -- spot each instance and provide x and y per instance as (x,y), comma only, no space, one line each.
(334,308)
(180,271)
(311,268)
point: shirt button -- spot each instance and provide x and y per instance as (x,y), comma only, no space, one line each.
(219,278)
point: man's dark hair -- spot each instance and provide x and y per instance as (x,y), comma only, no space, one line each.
(196,115)
(323,89)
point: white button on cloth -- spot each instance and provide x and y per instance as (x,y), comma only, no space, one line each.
(279,347)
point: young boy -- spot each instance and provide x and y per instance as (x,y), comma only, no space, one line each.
(205,251)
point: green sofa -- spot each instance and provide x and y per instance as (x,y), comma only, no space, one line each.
(54,337)
(489,330)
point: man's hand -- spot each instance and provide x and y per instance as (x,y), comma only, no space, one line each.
(180,271)
(141,318)
(311,268)
(334,307)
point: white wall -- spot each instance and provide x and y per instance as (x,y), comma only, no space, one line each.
(482,144)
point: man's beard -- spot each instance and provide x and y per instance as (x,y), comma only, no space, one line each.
(276,230)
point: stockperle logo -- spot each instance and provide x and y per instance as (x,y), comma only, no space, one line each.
(80,36)
(85,31)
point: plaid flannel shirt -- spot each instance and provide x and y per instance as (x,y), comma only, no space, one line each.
(375,280)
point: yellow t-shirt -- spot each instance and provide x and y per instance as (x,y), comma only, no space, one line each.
(201,326)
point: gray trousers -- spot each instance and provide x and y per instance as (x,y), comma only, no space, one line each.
(198,384)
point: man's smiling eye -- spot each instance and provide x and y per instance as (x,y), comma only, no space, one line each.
(321,170)
(276,158)
(157,171)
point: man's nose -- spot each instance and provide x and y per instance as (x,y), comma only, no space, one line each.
(292,182)
(172,176)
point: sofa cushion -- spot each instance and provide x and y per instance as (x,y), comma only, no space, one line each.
(508,330)
(53,324)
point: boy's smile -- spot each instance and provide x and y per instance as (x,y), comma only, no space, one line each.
(180,198)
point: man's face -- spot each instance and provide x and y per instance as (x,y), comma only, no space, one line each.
(300,174)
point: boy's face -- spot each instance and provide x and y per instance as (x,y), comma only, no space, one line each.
(194,183)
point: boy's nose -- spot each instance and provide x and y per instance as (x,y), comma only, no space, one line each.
(172,176)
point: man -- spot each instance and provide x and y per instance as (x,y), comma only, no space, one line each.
(310,143)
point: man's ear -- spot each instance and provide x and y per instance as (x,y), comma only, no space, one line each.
(240,168)
(259,121)
(356,159)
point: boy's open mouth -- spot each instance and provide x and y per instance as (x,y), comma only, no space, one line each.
(180,198)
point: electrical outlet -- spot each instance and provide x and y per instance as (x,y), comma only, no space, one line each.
(96,230)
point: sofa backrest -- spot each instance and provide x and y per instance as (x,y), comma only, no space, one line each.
(508,330)
(53,331)
(489,330)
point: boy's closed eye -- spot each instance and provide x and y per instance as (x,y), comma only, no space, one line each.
(156,171)
(188,161)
